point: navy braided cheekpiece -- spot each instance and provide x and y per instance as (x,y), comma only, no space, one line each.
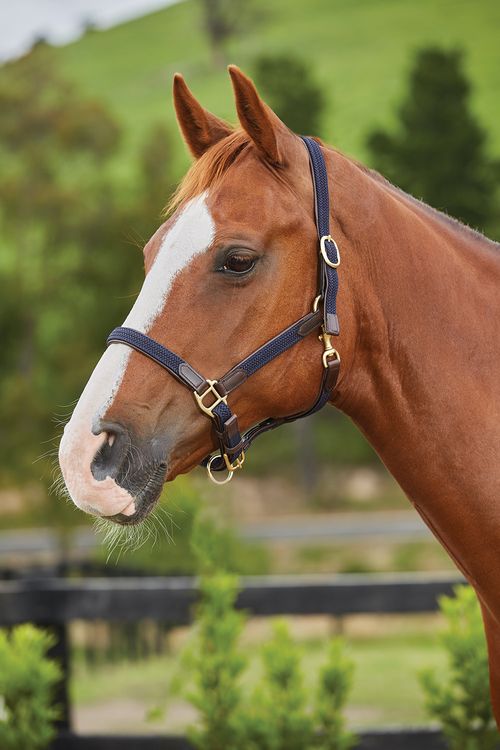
(330,282)
(151,348)
(272,349)
(231,444)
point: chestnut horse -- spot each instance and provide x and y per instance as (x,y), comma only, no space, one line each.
(236,263)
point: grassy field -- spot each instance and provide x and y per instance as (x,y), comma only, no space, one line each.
(360,51)
(388,652)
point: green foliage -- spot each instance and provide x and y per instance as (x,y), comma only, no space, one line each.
(217,548)
(438,153)
(277,716)
(154,158)
(64,221)
(460,701)
(27,681)
(335,684)
(58,215)
(280,716)
(217,664)
(290,89)
(335,440)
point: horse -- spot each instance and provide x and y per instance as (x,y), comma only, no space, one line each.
(234,265)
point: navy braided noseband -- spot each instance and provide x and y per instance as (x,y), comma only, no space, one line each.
(211,395)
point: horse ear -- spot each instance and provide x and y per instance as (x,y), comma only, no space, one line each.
(263,126)
(200,128)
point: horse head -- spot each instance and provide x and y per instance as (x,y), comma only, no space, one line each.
(234,265)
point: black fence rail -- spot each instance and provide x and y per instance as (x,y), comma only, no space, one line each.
(58,601)
(384,739)
(55,602)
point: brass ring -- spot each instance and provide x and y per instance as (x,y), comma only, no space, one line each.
(209,471)
(329,238)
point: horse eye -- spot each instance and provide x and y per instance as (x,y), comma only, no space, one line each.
(239,263)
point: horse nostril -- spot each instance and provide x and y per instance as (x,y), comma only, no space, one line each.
(110,457)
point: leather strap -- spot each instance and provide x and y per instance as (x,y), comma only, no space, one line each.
(328,274)
(270,350)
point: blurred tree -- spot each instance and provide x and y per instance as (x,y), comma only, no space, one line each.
(290,89)
(157,183)
(224,19)
(66,274)
(438,152)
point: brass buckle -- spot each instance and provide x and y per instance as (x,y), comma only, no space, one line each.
(329,349)
(237,463)
(212,477)
(211,390)
(329,238)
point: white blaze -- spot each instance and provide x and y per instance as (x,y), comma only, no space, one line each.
(192,234)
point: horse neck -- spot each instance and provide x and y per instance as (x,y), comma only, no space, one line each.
(420,339)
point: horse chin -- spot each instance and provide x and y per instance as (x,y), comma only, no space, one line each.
(144,501)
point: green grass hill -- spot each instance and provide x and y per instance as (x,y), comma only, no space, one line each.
(360,51)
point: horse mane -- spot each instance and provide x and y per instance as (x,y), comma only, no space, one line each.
(440,214)
(209,168)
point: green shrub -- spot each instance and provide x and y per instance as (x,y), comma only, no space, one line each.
(280,714)
(277,718)
(334,686)
(217,664)
(27,682)
(460,699)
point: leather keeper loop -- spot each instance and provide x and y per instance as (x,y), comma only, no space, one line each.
(332,374)
(229,432)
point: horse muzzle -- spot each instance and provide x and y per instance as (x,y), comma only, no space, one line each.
(110,474)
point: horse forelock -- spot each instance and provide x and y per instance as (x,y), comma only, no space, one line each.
(208,170)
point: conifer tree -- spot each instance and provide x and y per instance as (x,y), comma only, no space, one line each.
(438,152)
(289,87)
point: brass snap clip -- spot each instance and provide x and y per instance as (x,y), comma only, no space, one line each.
(329,351)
